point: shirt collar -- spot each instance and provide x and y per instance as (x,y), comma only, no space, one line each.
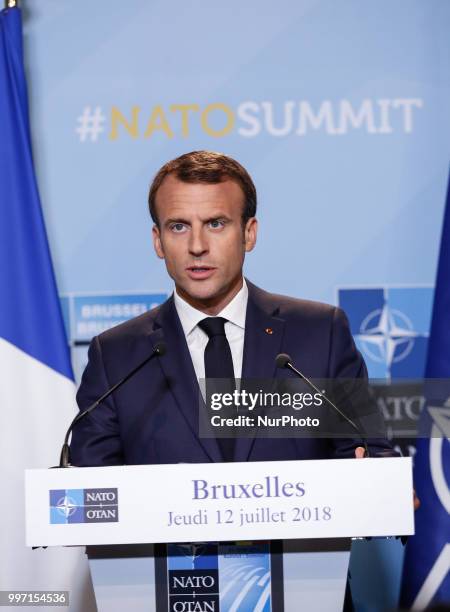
(234,312)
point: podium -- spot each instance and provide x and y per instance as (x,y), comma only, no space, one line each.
(269,536)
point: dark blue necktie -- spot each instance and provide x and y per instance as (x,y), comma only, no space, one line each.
(219,364)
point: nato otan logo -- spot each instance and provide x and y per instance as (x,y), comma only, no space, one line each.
(83,506)
(390,326)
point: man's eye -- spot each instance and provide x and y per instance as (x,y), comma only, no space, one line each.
(216,223)
(178,228)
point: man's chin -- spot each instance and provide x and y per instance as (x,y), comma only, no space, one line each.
(202,296)
(200,293)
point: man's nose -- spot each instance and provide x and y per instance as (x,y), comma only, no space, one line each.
(198,244)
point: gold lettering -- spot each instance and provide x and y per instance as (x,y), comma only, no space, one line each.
(158,121)
(117,117)
(216,107)
(184,110)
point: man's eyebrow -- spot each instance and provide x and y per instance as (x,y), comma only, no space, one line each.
(176,220)
(218,216)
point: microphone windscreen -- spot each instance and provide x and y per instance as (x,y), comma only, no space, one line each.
(160,348)
(282,360)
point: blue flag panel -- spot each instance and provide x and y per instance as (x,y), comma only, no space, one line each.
(426,572)
(30,315)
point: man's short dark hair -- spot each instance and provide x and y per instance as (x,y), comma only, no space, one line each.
(206,167)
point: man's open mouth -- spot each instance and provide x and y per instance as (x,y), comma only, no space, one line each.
(200,271)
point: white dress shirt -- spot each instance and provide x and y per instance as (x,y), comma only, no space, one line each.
(197,339)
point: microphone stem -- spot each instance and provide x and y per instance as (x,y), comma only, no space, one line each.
(330,403)
(64,460)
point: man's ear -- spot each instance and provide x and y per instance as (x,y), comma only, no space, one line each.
(250,233)
(157,245)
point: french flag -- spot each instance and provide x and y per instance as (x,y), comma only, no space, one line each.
(37,391)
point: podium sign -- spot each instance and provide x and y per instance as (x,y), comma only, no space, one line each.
(219,502)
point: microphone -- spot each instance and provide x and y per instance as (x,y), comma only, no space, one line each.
(285,361)
(64,460)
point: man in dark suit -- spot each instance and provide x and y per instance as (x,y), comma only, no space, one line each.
(203,206)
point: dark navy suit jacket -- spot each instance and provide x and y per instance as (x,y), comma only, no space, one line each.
(153,418)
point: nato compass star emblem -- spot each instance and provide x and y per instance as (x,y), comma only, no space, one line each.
(66,506)
(193,550)
(440,435)
(387,335)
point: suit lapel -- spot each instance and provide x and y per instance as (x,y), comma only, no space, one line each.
(262,343)
(180,374)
